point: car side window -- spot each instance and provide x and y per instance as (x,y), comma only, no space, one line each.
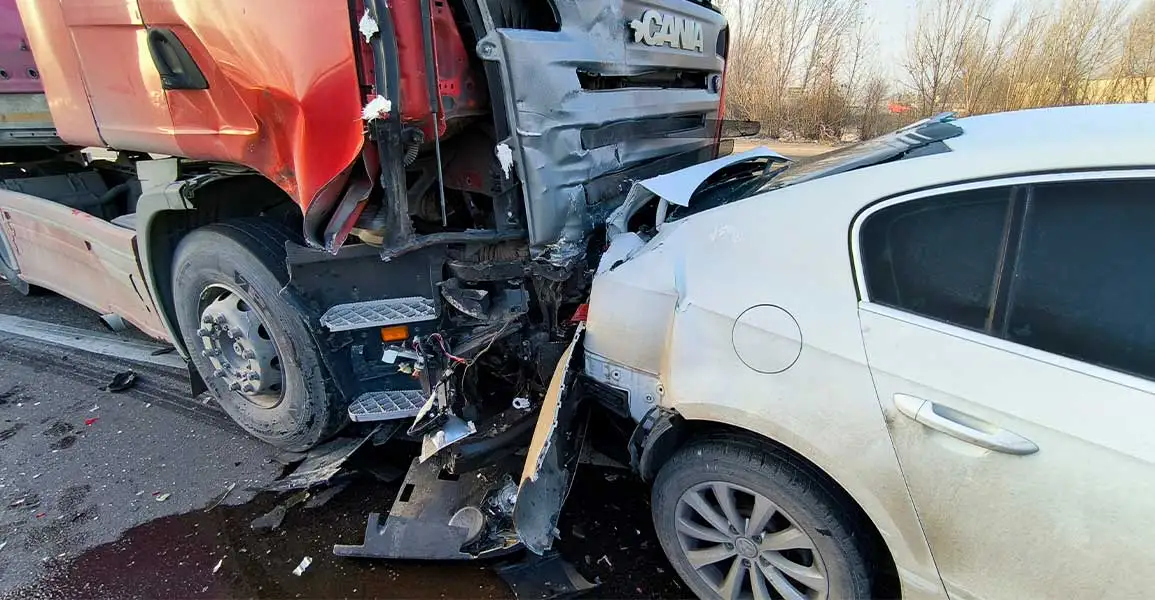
(1083,285)
(937,256)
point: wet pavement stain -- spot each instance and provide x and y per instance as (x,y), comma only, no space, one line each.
(63,443)
(8,432)
(179,553)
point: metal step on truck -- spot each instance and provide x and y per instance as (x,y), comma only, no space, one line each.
(360,215)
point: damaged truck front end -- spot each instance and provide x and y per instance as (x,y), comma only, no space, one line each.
(495,230)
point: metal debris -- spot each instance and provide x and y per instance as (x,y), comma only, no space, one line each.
(454,430)
(121,381)
(270,520)
(296,499)
(320,499)
(606,559)
(218,565)
(321,463)
(305,562)
(521,403)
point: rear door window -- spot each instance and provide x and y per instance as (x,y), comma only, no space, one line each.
(1084,286)
(937,257)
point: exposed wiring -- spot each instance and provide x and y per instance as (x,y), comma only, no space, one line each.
(445,349)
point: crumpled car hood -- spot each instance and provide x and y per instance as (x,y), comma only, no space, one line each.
(677,187)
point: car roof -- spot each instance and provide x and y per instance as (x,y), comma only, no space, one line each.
(1046,138)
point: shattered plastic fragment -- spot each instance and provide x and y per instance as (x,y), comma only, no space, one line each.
(270,520)
(377,108)
(121,381)
(305,562)
(163,497)
(89,422)
(505,157)
(367,26)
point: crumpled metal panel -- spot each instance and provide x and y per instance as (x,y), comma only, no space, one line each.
(386,405)
(379,313)
(549,109)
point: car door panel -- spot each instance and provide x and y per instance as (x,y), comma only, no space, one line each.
(1046,524)
(1031,472)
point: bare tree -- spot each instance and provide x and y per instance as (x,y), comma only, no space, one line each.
(943,32)
(1134,79)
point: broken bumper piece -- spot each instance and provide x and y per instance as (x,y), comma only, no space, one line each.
(488,511)
(437,516)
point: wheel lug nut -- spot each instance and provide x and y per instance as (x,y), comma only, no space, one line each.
(204,332)
(235,386)
(252,376)
(207,319)
(236,333)
(248,388)
(249,354)
(219,373)
(221,320)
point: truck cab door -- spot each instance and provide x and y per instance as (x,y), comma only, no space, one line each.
(122,81)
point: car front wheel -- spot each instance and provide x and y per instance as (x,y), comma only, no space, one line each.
(742,520)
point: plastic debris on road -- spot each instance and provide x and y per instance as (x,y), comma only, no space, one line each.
(88,422)
(121,381)
(225,494)
(218,565)
(162,497)
(305,562)
(270,520)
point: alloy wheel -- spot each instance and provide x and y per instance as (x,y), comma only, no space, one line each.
(743,545)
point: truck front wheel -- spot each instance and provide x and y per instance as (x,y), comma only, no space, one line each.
(250,345)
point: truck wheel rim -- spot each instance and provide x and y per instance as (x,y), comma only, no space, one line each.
(742,545)
(239,347)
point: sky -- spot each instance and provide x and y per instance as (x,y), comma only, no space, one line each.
(892,19)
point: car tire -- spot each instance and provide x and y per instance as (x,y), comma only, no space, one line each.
(239,328)
(811,541)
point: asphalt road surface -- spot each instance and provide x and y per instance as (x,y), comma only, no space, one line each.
(147,493)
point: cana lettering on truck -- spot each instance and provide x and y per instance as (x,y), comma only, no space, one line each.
(657,29)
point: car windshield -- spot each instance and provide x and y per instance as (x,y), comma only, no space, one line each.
(759,175)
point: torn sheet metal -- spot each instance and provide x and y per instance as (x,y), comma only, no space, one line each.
(553,454)
(454,430)
(321,463)
(677,187)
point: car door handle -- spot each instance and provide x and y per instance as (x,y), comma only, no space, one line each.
(962,426)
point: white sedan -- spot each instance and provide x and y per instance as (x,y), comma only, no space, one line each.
(923,365)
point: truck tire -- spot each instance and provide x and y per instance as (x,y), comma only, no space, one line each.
(251,346)
(731,512)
